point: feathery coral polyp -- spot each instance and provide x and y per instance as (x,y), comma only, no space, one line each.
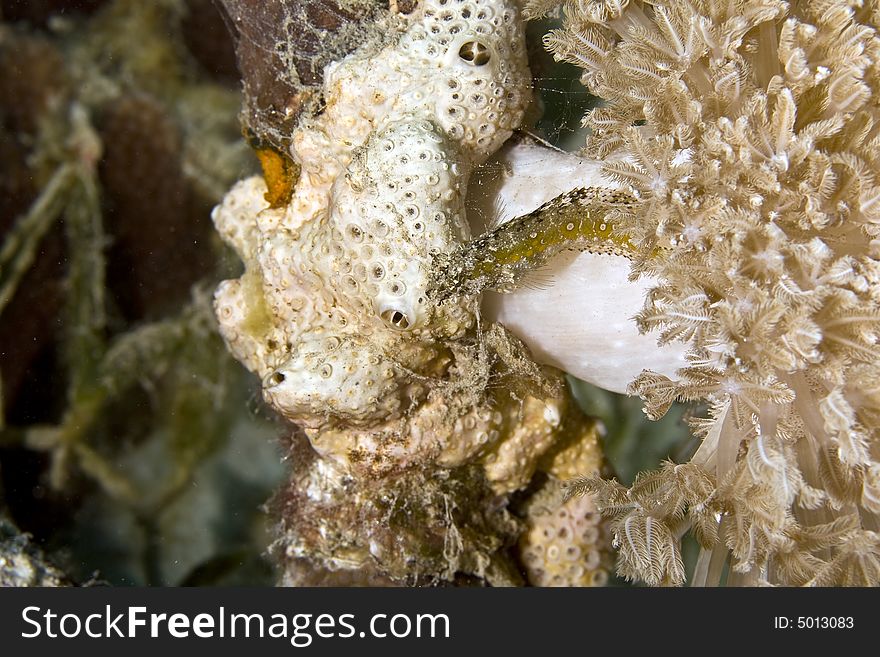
(750,137)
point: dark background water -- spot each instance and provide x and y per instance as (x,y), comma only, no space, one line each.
(132,448)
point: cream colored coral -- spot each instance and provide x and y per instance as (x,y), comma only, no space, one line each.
(749,131)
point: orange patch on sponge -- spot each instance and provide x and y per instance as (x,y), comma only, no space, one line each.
(280,173)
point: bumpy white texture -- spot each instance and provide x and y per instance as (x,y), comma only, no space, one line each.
(460,65)
(563,544)
(332,376)
(400,200)
(580,317)
(331,311)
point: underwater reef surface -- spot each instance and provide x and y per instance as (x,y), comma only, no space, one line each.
(133,448)
(745,134)
(125,424)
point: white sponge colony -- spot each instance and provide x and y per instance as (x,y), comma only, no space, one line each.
(337,377)
(476,70)
(384,172)
(401,200)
